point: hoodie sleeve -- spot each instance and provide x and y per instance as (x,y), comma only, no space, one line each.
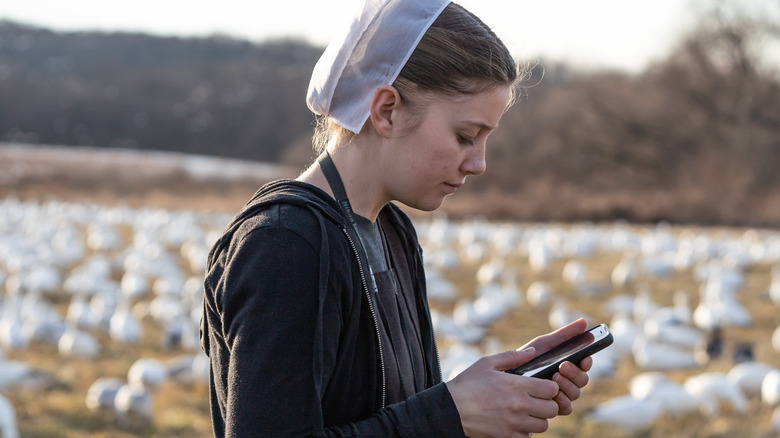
(277,343)
(269,311)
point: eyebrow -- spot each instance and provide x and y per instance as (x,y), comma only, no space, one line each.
(483,125)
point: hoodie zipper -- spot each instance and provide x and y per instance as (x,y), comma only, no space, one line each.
(435,347)
(373,315)
(430,323)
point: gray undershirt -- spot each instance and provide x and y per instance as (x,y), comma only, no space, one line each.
(372,239)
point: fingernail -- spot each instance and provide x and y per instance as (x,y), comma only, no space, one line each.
(556,377)
(527,350)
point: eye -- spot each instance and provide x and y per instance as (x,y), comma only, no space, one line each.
(467,141)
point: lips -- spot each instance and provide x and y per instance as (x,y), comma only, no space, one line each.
(452,187)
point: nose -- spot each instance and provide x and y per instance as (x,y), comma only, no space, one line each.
(474,162)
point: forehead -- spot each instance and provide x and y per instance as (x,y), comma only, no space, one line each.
(483,109)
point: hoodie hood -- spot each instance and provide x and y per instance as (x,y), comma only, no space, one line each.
(279,192)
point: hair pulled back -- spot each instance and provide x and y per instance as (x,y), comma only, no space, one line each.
(458,54)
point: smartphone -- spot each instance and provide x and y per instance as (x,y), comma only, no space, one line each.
(574,350)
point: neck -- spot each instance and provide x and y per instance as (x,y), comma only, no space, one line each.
(358,169)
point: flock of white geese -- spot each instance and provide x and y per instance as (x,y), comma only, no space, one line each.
(79,276)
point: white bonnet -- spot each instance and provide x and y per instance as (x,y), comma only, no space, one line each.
(368,54)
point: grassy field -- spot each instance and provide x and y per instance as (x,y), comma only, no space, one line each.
(526,322)
(181,410)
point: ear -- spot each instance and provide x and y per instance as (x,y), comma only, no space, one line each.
(384,103)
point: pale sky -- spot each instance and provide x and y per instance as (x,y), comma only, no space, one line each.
(623,34)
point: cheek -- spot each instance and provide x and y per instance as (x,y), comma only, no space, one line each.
(443,158)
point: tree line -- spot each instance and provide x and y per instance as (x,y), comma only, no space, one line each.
(693,138)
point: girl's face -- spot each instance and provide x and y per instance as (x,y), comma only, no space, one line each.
(433,160)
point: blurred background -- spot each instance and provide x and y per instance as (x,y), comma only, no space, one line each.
(642,111)
(130,133)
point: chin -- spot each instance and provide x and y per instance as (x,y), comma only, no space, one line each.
(427,205)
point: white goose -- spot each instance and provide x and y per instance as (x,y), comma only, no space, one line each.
(627,412)
(604,364)
(724,311)
(491,271)
(46,326)
(624,332)
(133,404)
(77,343)
(774,289)
(195,254)
(643,303)
(190,368)
(619,304)
(679,312)
(776,339)
(8,425)
(483,311)
(673,332)
(649,355)
(714,389)
(12,334)
(78,311)
(539,294)
(20,375)
(43,280)
(770,388)
(147,373)
(124,326)
(439,288)
(674,399)
(575,272)
(102,392)
(457,358)
(443,259)
(134,285)
(748,376)
(180,332)
(624,273)
(561,314)
(539,254)
(446,327)
(102,237)
(102,306)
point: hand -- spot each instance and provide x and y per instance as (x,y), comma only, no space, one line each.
(570,378)
(492,403)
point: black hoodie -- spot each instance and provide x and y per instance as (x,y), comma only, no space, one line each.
(291,330)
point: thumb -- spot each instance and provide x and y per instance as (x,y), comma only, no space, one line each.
(512,358)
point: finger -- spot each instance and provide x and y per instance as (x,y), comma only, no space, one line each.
(536,425)
(567,387)
(521,408)
(545,342)
(545,409)
(509,359)
(586,364)
(574,373)
(564,404)
(540,388)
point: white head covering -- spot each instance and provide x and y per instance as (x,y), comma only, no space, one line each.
(368,54)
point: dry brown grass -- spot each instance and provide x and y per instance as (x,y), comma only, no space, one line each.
(526,323)
(182,410)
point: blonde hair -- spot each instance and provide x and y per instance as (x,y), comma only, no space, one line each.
(458,54)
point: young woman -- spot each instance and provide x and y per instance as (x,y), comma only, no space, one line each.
(316,320)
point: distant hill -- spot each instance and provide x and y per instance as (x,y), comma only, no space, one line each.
(216,96)
(695,138)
